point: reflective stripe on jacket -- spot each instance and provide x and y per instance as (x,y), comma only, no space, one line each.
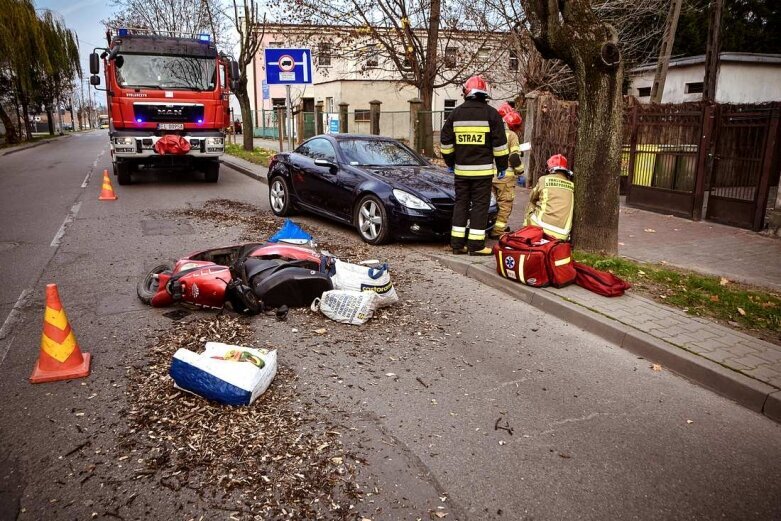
(551,204)
(473,140)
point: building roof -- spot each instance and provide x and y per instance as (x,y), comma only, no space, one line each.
(724,57)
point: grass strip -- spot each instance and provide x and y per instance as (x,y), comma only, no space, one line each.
(259,156)
(739,305)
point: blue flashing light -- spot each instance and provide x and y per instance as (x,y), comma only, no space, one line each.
(139,120)
(123,31)
(200,121)
(204,37)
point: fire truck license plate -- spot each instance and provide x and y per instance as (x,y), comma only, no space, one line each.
(171,126)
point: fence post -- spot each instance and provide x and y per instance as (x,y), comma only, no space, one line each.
(767,164)
(374,117)
(343,129)
(414,130)
(528,135)
(319,118)
(632,151)
(299,131)
(281,127)
(703,151)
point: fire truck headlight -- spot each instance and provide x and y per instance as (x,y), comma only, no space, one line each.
(124,141)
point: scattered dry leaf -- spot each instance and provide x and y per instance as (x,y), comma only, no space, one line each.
(714,298)
(742,312)
(650,230)
(723,281)
(689,421)
(656,367)
(321,331)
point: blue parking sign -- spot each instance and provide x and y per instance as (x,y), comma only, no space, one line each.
(288,66)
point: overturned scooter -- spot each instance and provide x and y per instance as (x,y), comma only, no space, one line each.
(251,277)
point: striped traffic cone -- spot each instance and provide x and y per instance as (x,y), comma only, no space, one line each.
(107,191)
(60,358)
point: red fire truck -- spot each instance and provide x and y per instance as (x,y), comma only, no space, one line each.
(168,100)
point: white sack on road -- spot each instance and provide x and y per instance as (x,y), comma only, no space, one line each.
(347,306)
(356,277)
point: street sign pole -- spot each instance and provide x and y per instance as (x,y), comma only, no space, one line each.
(289,125)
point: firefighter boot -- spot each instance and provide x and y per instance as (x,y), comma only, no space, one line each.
(482,253)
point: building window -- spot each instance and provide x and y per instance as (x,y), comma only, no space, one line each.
(362,115)
(513,61)
(695,88)
(450,104)
(324,54)
(451,57)
(483,54)
(275,44)
(644,92)
(372,56)
(329,104)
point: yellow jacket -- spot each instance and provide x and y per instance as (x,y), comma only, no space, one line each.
(550,205)
(514,147)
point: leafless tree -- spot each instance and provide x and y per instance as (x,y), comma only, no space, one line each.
(427,44)
(251,28)
(182,18)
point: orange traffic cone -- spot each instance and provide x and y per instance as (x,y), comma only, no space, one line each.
(60,358)
(107,193)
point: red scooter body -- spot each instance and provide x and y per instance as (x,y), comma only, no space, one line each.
(201,277)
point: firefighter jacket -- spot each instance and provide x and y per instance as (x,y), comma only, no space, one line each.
(473,138)
(550,205)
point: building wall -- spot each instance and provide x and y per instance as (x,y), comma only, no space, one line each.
(748,83)
(738,82)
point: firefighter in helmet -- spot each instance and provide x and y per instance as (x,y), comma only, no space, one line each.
(552,200)
(474,147)
(504,186)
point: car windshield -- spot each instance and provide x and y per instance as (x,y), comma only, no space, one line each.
(373,152)
(167,72)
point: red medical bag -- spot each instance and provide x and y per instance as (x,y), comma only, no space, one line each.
(527,257)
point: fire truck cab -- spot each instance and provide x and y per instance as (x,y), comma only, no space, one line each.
(165,88)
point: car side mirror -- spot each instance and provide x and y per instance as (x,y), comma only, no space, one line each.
(94,63)
(235,70)
(94,80)
(325,163)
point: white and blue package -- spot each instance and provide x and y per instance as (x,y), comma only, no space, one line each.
(228,374)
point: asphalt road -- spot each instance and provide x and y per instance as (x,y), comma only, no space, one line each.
(429,392)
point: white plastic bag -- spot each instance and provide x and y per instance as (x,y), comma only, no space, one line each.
(233,375)
(356,277)
(347,306)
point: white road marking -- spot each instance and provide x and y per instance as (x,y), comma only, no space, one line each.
(92,169)
(68,219)
(10,321)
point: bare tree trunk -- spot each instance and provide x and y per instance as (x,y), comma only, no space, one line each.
(247,129)
(425,126)
(598,160)
(50,117)
(10,130)
(428,79)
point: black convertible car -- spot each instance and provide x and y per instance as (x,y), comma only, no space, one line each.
(377,184)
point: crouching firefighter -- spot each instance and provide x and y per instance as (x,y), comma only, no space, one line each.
(472,140)
(552,200)
(504,184)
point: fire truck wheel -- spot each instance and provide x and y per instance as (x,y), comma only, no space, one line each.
(211,171)
(122,171)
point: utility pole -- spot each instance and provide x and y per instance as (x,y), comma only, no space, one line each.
(712,50)
(668,40)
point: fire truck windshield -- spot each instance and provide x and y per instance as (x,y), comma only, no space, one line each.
(166,72)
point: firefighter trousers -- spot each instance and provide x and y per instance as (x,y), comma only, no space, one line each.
(473,199)
(504,190)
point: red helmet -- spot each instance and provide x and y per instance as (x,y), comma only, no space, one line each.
(557,162)
(475,85)
(514,121)
(504,109)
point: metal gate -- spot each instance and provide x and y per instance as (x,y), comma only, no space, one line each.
(663,159)
(744,150)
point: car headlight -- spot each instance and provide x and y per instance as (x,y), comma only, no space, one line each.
(493,199)
(410,201)
(124,141)
(214,141)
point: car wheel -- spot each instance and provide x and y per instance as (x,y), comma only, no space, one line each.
(279,197)
(148,286)
(371,220)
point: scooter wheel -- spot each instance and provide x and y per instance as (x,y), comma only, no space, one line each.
(148,286)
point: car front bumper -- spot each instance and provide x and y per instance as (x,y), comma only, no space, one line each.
(140,145)
(409,224)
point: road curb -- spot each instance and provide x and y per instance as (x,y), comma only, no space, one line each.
(28,146)
(243,170)
(748,392)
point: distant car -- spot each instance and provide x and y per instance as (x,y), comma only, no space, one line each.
(377,184)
